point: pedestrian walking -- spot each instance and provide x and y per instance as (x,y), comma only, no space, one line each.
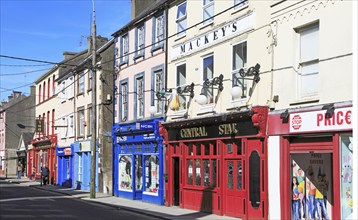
(45,172)
(19,170)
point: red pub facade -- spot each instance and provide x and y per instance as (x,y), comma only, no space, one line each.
(218,164)
(43,152)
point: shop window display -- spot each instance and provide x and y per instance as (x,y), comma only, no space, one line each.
(151,174)
(125,173)
(312,193)
(346,176)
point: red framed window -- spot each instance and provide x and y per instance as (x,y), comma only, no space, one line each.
(201,164)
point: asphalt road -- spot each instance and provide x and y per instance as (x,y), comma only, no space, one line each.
(23,202)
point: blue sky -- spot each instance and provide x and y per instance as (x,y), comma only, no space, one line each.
(44,29)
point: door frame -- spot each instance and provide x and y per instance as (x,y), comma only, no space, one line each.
(287,148)
(261,148)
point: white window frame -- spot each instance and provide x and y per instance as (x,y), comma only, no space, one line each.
(240,4)
(140,39)
(81,118)
(71,87)
(81,83)
(89,120)
(71,125)
(140,96)
(181,20)
(208,8)
(182,98)
(158,86)
(125,47)
(159,29)
(63,91)
(210,89)
(124,100)
(308,63)
(235,71)
(63,128)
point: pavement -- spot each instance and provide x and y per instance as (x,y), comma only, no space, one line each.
(138,206)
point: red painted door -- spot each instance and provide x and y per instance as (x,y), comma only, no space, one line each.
(234,193)
(255,181)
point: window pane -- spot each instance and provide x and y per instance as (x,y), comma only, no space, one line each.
(206,163)
(138,172)
(207,148)
(181,10)
(181,80)
(213,173)
(208,12)
(309,79)
(125,173)
(190,149)
(198,149)
(309,43)
(152,174)
(197,172)
(239,58)
(230,176)
(208,73)
(239,175)
(190,172)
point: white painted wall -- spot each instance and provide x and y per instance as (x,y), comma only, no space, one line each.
(274,187)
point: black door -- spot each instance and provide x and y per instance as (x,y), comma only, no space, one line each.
(176,181)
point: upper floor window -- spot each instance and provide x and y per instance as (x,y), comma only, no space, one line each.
(181,80)
(40,91)
(81,83)
(140,39)
(90,79)
(80,123)
(157,85)
(89,119)
(63,128)
(53,85)
(181,19)
(49,87)
(44,92)
(123,100)
(239,61)
(208,74)
(71,125)
(139,97)
(309,61)
(208,11)
(70,87)
(63,91)
(239,3)
(124,49)
(158,31)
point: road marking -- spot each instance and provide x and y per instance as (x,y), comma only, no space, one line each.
(48,198)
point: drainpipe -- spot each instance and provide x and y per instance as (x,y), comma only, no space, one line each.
(166,57)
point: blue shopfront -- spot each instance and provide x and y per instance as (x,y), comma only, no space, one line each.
(138,161)
(64,166)
(82,165)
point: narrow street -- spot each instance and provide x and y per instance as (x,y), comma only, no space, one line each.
(23,202)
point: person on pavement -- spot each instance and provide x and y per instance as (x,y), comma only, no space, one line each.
(44,175)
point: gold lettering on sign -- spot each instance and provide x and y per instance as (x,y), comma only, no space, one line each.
(193,132)
(226,129)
